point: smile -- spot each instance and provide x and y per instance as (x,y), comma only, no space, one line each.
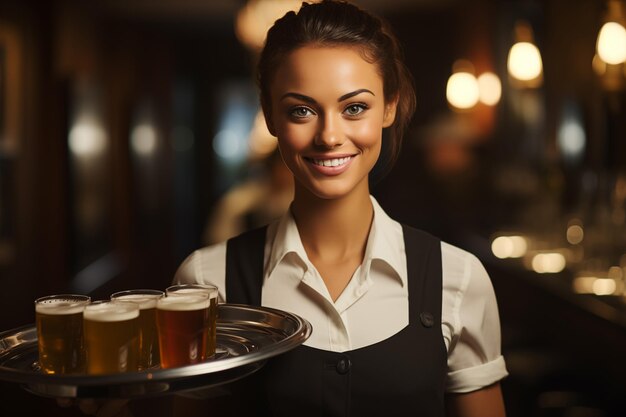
(330,166)
(335,162)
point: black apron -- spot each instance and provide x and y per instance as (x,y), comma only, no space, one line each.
(400,376)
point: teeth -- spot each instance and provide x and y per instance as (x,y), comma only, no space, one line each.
(331,162)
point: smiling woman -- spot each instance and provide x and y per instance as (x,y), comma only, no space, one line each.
(403,324)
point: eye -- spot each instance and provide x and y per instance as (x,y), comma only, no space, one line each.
(300,112)
(355,109)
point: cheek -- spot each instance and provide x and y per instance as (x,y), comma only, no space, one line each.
(368,134)
(294,137)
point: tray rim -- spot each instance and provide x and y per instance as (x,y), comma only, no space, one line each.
(251,361)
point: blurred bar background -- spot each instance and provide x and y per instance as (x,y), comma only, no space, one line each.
(130,135)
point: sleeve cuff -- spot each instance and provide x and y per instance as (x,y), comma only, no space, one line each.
(476,377)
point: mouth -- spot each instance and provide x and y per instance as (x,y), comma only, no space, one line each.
(330,166)
(330,162)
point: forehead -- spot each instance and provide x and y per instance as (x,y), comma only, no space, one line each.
(321,68)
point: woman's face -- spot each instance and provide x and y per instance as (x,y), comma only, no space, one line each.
(328,112)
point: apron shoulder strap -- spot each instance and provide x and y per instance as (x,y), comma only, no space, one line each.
(244,267)
(423,256)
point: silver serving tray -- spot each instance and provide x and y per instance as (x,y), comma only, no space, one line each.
(246,337)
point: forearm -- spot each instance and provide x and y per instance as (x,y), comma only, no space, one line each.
(485,402)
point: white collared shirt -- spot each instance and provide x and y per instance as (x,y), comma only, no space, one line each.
(374,305)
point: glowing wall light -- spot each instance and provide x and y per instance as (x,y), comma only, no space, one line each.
(571,136)
(462,90)
(143,139)
(524,62)
(489,88)
(87,137)
(548,262)
(610,57)
(611,44)
(509,247)
(595,285)
(604,286)
(602,283)
(575,234)
(257,16)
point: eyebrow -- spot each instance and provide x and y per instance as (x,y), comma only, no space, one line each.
(311,100)
(354,93)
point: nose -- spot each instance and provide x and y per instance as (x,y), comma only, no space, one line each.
(329,133)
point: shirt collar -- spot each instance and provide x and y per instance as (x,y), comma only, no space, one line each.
(286,240)
(384,243)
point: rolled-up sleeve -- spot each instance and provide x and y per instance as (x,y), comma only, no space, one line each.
(205,266)
(474,355)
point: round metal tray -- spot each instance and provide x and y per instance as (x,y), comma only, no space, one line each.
(246,337)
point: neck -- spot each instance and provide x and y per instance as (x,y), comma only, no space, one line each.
(333,228)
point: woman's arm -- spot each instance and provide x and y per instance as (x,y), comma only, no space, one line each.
(485,402)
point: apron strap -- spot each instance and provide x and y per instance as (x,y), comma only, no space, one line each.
(423,259)
(244,267)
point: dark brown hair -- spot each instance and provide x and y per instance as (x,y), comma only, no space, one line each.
(337,23)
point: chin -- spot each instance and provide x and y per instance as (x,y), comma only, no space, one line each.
(332,191)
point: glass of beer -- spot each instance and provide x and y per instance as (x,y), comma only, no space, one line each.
(211,291)
(60,333)
(148,337)
(183,324)
(111,337)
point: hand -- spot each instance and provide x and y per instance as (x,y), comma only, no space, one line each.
(117,407)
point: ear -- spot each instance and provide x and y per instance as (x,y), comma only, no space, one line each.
(390,112)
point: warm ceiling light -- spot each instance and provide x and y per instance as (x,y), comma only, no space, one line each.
(489,88)
(611,42)
(611,45)
(609,61)
(255,18)
(462,90)
(524,61)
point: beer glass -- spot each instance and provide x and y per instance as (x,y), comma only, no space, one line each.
(111,337)
(59,321)
(148,337)
(211,290)
(183,325)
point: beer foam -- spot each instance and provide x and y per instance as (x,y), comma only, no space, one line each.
(109,311)
(59,306)
(212,293)
(182,302)
(145,301)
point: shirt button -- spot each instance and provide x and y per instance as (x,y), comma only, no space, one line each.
(343,366)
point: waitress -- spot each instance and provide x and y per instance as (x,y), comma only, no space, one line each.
(403,324)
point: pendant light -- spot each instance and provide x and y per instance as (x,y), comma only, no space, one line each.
(524,62)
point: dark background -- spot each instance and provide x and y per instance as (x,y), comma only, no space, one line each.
(120,220)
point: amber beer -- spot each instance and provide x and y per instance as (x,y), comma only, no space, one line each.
(212,293)
(183,324)
(148,337)
(59,321)
(111,337)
